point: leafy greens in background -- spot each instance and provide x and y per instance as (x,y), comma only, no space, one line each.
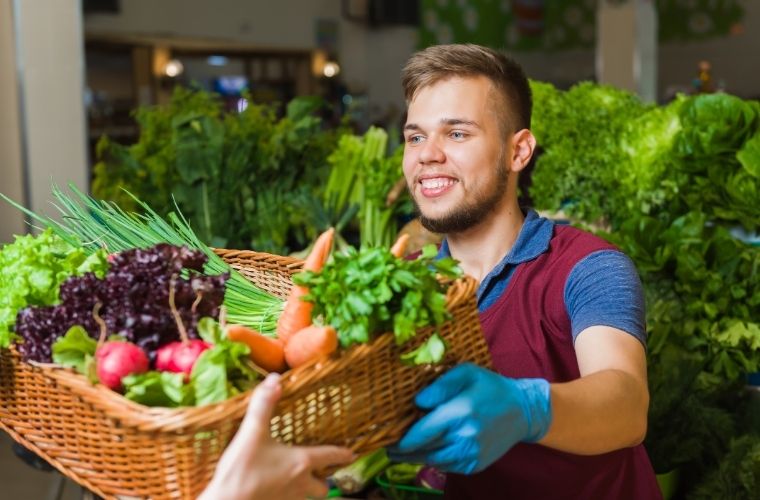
(232,174)
(262,179)
(672,183)
(579,132)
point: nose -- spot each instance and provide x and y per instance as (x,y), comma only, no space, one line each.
(431,152)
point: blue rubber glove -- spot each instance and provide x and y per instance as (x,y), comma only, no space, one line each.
(476,417)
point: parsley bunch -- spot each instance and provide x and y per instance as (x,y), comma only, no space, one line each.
(366,292)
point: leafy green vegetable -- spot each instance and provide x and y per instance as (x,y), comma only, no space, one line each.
(749,156)
(75,349)
(33,267)
(579,133)
(737,476)
(672,183)
(430,351)
(713,124)
(234,175)
(366,292)
(158,389)
(221,372)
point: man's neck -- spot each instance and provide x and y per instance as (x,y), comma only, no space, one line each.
(481,248)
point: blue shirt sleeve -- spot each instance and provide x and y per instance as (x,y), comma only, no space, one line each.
(604,289)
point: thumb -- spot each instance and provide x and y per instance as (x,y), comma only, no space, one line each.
(447,386)
(261,405)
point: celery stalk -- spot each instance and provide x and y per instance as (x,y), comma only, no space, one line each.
(353,478)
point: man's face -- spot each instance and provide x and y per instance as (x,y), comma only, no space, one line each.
(455,159)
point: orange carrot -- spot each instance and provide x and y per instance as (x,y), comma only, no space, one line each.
(310,343)
(266,352)
(399,247)
(297,313)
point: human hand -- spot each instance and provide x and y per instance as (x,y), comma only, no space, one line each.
(255,466)
(476,417)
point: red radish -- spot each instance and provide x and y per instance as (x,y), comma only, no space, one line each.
(180,357)
(116,359)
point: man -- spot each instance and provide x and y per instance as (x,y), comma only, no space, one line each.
(564,412)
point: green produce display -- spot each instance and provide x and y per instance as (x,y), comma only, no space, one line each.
(235,176)
(264,179)
(671,185)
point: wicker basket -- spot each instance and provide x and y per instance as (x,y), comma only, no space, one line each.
(361,398)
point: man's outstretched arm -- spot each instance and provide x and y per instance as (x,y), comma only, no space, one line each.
(605,409)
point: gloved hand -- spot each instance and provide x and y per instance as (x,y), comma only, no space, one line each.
(476,416)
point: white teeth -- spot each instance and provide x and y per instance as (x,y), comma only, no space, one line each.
(436,183)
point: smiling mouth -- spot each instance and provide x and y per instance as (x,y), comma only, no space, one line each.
(436,186)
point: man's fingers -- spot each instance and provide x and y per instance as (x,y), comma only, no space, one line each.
(261,405)
(321,457)
(434,426)
(445,387)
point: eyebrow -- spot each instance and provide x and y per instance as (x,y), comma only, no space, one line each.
(444,121)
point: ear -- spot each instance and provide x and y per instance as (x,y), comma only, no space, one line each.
(523,145)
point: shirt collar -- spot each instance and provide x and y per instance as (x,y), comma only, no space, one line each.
(532,240)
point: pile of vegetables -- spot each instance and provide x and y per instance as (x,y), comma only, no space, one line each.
(133,299)
(673,185)
(141,313)
(93,225)
(33,267)
(364,292)
(352,299)
(160,292)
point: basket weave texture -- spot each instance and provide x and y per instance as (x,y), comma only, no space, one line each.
(361,398)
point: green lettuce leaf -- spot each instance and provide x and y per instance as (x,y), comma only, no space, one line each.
(158,389)
(221,372)
(33,269)
(431,351)
(75,349)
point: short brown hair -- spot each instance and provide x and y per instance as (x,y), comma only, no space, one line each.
(440,62)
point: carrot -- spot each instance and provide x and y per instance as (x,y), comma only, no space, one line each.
(310,343)
(399,247)
(266,352)
(297,313)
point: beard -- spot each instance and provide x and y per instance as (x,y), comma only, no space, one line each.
(473,210)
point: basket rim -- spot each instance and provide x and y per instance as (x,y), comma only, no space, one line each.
(155,418)
(291,263)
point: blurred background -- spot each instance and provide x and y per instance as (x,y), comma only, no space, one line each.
(266,122)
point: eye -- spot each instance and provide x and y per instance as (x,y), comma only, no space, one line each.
(458,135)
(414,139)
